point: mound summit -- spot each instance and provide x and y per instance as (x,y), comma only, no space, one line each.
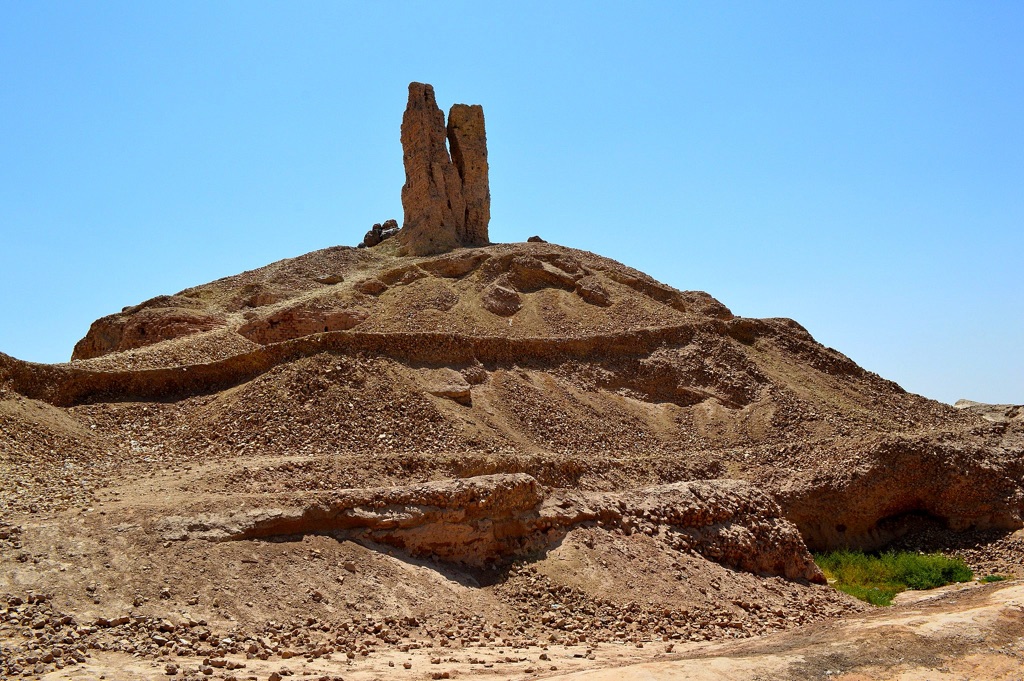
(436,442)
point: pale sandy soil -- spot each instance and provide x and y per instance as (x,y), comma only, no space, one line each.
(974,633)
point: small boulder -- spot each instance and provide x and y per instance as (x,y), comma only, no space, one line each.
(448,383)
(475,375)
(379,232)
(591,291)
(371,287)
(501,301)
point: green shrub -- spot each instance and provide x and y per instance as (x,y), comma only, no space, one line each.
(993,578)
(877,578)
(874,595)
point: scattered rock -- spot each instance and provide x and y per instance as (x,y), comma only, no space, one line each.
(475,374)
(379,232)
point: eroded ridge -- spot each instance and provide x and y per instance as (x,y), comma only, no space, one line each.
(491,519)
(64,385)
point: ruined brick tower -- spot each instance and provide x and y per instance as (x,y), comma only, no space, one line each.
(446,198)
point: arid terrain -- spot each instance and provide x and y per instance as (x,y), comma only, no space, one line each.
(428,480)
(436,457)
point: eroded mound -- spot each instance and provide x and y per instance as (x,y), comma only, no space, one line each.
(511,291)
(590,361)
(646,456)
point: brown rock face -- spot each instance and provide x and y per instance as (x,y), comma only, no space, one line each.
(468,143)
(298,321)
(446,204)
(491,519)
(153,321)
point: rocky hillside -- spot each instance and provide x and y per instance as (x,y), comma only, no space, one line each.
(540,359)
(585,405)
(391,448)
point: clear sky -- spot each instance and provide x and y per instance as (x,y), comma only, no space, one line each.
(856,166)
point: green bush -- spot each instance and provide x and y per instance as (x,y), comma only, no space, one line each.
(877,578)
(993,578)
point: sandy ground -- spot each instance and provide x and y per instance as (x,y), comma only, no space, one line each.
(974,632)
(956,633)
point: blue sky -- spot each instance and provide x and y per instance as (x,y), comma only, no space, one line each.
(858,167)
